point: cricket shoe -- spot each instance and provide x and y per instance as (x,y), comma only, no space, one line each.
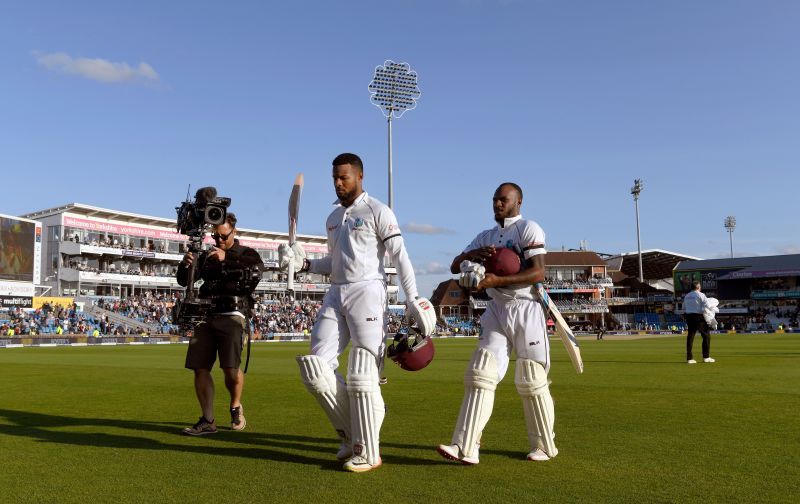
(202,428)
(237,418)
(359,464)
(345,451)
(691,361)
(453,452)
(709,360)
(538,455)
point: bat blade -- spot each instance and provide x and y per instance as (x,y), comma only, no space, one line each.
(294,212)
(294,207)
(563,331)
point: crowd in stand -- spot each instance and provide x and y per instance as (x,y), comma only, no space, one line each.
(459,325)
(54,319)
(582,305)
(149,308)
(125,268)
(276,314)
(115,243)
(272,314)
(580,282)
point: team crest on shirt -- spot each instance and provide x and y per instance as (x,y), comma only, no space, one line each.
(358,222)
(509,244)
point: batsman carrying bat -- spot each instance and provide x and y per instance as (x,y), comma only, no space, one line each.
(361,232)
(506,260)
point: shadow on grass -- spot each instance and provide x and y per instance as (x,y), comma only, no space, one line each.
(258,445)
(648,362)
(763,354)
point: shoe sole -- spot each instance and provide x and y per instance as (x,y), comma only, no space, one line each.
(361,469)
(534,459)
(195,434)
(448,456)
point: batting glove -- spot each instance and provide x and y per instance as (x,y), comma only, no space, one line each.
(287,254)
(471,274)
(421,311)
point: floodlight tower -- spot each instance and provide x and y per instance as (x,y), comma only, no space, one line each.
(730,224)
(394,90)
(636,190)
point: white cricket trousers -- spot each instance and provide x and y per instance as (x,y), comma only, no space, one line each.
(519,325)
(354,312)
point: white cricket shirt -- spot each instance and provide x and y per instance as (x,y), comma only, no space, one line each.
(694,302)
(525,237)
(359,236)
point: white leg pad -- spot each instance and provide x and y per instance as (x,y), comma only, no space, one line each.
(480,382)
(330,392)
(366,403)
(532,386)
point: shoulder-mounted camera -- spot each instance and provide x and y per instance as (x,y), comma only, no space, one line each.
(207,209)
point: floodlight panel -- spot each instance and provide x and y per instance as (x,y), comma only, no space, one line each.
(394,88)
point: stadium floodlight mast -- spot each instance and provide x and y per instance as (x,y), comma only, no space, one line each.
(394,90)
(730,224)
(636,190)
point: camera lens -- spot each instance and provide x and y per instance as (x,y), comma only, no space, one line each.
(215,215)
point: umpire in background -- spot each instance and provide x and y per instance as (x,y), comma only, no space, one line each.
(228,281)
(694,303)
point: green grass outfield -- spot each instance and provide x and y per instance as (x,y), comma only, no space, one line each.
(101,424)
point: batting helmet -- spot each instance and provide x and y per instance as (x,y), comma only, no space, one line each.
(411,353)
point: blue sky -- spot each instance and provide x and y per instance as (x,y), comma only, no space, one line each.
(123,105)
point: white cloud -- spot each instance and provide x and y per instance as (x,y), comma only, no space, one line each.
(429,229)
(432,268)
(788,249)
(97,69)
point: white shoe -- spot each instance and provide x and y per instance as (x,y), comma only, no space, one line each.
(453,452)
(358,464)
(345,451)
(691,361)
(538,455)
(709,359)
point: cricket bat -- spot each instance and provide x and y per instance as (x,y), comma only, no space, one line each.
(294,212)
(562,330)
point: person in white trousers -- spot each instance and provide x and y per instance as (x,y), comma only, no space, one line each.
(361,231)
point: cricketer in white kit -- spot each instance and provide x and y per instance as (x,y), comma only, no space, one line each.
(361,231)
(513,320)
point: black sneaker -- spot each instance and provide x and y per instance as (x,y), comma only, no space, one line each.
(237,418)
(202,428)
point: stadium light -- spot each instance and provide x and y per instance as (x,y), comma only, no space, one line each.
(730,224)
(394,90)
(636,190)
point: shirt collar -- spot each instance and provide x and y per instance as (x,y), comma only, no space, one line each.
(361,197)
(511,220)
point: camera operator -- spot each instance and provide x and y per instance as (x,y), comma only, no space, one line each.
(230,273)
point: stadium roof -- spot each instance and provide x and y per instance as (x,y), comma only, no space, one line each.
(578,258)
(748,267)
(656,263)
(149,220)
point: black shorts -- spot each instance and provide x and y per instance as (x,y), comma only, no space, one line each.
(221,334)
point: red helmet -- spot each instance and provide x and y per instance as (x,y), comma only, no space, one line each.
(411,353)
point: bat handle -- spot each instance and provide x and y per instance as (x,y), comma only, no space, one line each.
(543,295)
(290,279)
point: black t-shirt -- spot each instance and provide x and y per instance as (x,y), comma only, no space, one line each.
(231,277)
